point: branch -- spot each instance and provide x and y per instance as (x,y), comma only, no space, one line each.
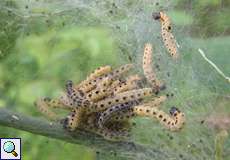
(213,65)
(55,130)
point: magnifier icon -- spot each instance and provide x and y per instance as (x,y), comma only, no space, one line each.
(9,147)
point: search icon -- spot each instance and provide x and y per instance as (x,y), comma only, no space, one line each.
(9,147)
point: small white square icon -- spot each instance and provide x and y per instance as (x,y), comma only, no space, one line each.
(10,149)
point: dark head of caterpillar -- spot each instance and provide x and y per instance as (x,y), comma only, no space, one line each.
(173,111)
(156,15)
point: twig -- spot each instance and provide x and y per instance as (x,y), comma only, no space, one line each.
(55,130)
(213,65)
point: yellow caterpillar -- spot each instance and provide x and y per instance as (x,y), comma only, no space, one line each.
(167,36)
(114,110)
(74,119)
(77,96)
(43,107)
(91,83)
(121,70)
(101,91)
(129,84)
(173,122)
(123,97)
(148,70)
(121,110)
(96,74)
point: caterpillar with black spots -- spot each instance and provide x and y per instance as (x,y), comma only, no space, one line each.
(149,71)
(166,34)
(123,97)
(121,109)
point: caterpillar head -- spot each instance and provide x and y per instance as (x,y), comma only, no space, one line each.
(178,117)
(156,15)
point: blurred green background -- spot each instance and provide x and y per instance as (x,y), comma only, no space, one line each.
(43,43)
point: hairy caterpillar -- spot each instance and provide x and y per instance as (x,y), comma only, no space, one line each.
(121,110)
(173,122)
(110,112)
(148,70)
(121,70)
(77,96)
(66,101)
(90,84)
(43,107)
(129,84)
(99,72)
(156,101)
(96,74)
(100,91)
(167,36)
(121,98)
(73,120)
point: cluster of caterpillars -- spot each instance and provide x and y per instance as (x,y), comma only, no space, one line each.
(105,101)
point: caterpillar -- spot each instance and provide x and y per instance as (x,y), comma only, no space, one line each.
(108,113)
(77,96)
(148,70)
(100,91)
(121,70)
(90,84)
(123,97)
(122,109)
(96,74)
(173,122)
(156,101)
(66,101)
(74,119)
(99,72)
(43,107)
(129,84)
(167,36)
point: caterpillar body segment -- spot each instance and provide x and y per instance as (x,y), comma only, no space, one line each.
(166,33)
(173,122)
(124,87)
(121,70)
(110,112)
(129,84)
(101,91)
(74,119)
(133,79)
(66,101)
(43,107)
(128,112)
(95,75)
(99,72)
(77,96)
(156,101)
(148,70)
(121,98)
